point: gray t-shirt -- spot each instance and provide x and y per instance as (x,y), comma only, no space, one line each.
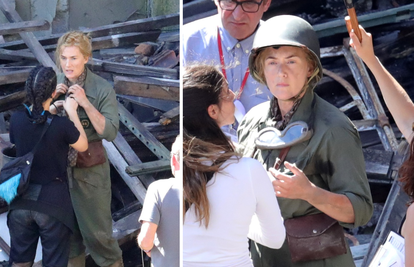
(162,207)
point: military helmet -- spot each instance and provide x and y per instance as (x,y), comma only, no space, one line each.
(285,30)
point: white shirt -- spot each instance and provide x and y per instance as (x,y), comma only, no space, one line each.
(242,204)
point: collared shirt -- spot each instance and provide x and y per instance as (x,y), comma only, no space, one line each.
(200,46)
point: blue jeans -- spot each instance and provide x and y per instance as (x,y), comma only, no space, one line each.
(26,227)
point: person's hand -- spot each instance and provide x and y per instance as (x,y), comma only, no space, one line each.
(148,253)
(296,186)
(61,89)
(78,93)
(70,104)
(365,48)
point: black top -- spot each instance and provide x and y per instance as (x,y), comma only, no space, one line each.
(48,191)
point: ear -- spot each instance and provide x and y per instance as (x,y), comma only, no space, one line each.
(213,111)
(310,69)
(267,5)
(217,4)
(54,94)
(86,59)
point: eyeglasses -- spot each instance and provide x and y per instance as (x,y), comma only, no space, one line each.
(294,133)
(247,6)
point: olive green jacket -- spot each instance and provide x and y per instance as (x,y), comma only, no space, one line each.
(332,159)
(102,96)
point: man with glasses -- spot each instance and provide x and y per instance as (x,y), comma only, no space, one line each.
(225,40)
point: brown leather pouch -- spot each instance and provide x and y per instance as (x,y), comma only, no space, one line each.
(314,237)
(94,155)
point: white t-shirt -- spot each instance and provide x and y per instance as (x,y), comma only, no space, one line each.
(242,204)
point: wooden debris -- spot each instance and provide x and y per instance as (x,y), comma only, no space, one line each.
(24,26)
(131,158)
(147,87)
(148,167)
(28,37)
(18,76)
(146,49)
(118,40)
(133,69)
(170,116)
(140,25)
(12,100)
(164,59)
(16,55)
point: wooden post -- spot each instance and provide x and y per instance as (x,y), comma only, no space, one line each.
(28,37)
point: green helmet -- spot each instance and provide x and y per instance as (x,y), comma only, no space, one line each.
(285,30)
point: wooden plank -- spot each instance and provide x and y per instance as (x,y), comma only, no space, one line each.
(140,25)
(120,164)
(159,104)
(131,157)
(4,246)
(377,163)
(170,116)
(144,87)
(142,133)
(148,167)
(394,208)
(118,40)
(12,100)
(18,76)
(16,55)
(126,229)
(135,70)
(24,26)
(28,37)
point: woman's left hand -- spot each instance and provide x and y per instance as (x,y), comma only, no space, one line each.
(296,186)
(78,93)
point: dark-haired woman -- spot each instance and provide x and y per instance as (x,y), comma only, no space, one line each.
(402,109)
(45,209)
(226,198)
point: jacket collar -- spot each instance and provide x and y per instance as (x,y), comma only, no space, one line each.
(90,84)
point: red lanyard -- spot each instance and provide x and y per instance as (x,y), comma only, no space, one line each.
(246,75)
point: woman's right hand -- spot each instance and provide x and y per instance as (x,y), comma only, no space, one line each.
(61,89)
(70,105)
(365,48)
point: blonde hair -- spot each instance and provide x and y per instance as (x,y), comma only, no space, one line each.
(259,65)
(74,38)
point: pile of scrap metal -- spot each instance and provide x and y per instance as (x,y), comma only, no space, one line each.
(140,58)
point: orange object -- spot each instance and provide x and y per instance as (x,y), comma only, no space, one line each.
(351,20)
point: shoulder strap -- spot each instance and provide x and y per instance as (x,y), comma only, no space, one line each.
(45,127)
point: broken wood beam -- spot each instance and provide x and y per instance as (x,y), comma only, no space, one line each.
(12,100)
(147,87)
(148,167)
(131,157)
(18,55)
(18,76)
(170,116)
(126,229)
(120,164)
(24,26)
(118,40)
(150,102)
(140,25)
(28,37)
